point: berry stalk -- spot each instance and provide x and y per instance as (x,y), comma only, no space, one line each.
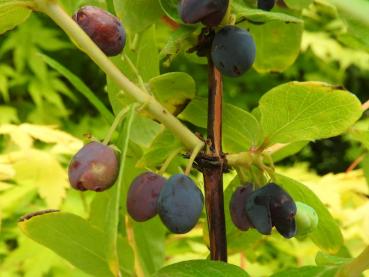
(55,12)
(213,175)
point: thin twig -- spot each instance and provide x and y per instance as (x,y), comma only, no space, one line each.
(355,163)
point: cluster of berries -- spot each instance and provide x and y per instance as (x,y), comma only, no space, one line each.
(264,208)
(178,201)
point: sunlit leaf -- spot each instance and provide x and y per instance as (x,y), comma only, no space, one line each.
(307,111)
(201,268)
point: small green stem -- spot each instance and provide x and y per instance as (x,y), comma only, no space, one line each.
(240,159)
(135,71)
(167,162)
(55,12)
(115,124)
(194,154)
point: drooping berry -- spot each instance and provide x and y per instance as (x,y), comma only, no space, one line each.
(237,207)
(180,204)
(258,211)
(266,5)
(143,195)
(283,210)
(272,206)
(94,167)
(233,51)
(103,28)
(209,12)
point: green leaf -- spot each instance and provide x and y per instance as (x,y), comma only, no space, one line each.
(309,271)
(77,241)
(8,115)
(150,238)
(147,55)
(241,130)
(298,4)
(15,199)
(355,14)
(113,215)
(361,136)
(327,259)
(201,268)
(144,130)
(13,13)
(81,87)
(173,90)
(277,37)
(170,7)
(288,150)
(138,15)
(145,59)
(163,145)
(307,111)
(178,42)
(328,234)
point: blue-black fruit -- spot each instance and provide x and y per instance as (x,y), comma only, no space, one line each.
(180,204)
(143,196)
(266,5)
(237,207)
(94,167)
(257,208)
(283,211)
(233,51)
(103,28)
(209,12)
(272,206)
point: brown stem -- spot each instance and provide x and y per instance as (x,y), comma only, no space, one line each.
(213,175)
(355,163)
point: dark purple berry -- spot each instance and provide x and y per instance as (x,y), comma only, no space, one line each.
(237,207)
(233,51)
(103,28)
(266,5)
(94,167)
(180,204)
(283,210)
(258,211)
(272,206)
(143,195)
(209,12)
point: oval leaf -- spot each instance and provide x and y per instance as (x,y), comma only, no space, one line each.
(201,268)
(327,235)
(174,90)
(77,241)
(309,271)
(241,129)
(277,37)
(138,15)
(13,13)
(307,111)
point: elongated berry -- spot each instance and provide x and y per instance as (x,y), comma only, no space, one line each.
(103,28)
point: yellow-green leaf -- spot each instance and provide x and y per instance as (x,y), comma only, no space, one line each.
(298,111)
